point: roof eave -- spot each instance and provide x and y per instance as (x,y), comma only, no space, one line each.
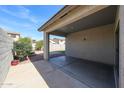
(52,19)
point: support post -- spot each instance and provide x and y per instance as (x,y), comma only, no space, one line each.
(46,46)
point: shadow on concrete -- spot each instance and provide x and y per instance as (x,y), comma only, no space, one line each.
(37,57)
(65,72)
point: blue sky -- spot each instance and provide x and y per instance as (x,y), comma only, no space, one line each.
(26,19)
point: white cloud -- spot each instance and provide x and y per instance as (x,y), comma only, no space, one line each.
(19,12)
(34,19)
(17,24)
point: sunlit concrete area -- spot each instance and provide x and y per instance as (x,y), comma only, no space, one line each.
(24,76)
(60,72)
(40,74)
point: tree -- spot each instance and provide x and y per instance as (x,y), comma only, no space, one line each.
(39,45)
(25,40)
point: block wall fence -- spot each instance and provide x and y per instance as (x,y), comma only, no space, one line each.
(6,45)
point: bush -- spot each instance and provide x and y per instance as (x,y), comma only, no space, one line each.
(39,45)
(22,49)
(25,40)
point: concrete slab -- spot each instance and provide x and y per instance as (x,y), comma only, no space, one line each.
(39,74)
(24,76)
(93,77)
(68,73)
(59,79)
(90,73)
(61,61)
(55,78)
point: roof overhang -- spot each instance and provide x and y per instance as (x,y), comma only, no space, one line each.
(68,15)
(76,18)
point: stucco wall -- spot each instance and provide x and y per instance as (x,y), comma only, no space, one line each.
(98,46)
(121,47)
(6,45)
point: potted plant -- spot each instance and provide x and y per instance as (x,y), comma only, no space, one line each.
(21,51)
(15,61)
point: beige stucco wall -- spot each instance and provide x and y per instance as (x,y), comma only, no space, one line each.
(98,46)
(121,47)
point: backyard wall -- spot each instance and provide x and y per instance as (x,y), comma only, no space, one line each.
(6,45)
(57,47)
(98,46)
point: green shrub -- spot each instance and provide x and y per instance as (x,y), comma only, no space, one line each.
(25,40)
(22,50)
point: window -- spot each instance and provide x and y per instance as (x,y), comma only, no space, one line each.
(13,36)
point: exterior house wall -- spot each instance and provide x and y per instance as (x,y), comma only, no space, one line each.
(98,46)
(6,44)
(121,47)
(15,37)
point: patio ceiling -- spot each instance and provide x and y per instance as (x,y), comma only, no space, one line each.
(102,17)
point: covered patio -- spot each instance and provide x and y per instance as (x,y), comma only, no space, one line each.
(91,43)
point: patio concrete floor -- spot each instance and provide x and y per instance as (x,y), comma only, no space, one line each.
(92,74)
(60,72)
(39,74)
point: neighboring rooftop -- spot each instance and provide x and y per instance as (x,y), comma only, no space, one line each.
(57,40)
(13,32)
(10,32)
